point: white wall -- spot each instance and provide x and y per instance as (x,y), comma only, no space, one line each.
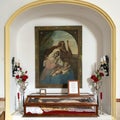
(28,58)
(111,9)
(94,41)
(15,4)
(9,7)
(25,53)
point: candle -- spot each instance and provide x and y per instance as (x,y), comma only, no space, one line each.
(101,95)
(101,60)
(18,95)
(104,59)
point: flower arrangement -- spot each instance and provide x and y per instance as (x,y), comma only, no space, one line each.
(102,70)
(21,79)
(97,79)
(21,76)
(97,76)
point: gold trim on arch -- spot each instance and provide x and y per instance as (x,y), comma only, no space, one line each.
(45,2)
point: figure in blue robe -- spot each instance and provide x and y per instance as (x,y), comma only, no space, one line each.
(57,67)
(59,78)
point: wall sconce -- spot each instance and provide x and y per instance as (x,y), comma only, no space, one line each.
(105,64)
(15,66)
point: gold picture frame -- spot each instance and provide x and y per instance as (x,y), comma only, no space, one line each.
(58,55)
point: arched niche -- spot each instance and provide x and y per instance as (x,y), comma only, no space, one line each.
(99,39)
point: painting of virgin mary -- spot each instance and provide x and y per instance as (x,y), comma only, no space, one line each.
(57,65)
(58,58)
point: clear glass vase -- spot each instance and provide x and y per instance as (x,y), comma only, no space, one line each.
(22,88)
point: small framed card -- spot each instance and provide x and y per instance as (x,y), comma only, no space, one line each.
(42,91)
(73,87)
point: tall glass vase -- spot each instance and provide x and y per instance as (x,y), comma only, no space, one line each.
(97,99)
(23,86)
(97,87)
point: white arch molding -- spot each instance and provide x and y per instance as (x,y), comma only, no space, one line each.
(85,5)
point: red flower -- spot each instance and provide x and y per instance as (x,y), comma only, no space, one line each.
(101,74)
(94,78)
(20,69)
(21,76)
(24,78)
(17,76)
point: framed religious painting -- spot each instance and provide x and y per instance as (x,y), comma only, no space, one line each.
(58,56)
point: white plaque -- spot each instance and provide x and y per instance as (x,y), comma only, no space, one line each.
(73,87)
